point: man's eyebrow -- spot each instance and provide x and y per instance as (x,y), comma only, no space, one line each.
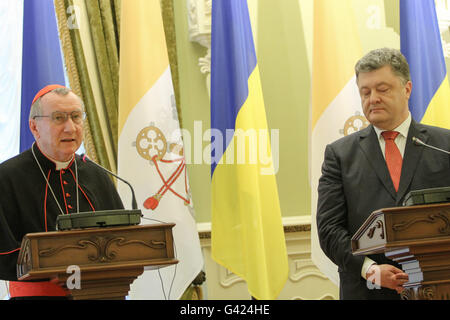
(377,85)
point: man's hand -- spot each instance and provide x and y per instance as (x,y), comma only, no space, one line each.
(387,276)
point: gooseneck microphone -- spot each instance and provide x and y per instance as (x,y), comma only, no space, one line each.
(133,200)
(417,141)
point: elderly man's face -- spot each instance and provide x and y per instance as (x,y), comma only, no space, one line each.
(58,141)
(384,97)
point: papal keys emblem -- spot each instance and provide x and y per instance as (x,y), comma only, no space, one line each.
(151,144)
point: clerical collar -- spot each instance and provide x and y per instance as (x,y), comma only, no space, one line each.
(58,164)
(61,165)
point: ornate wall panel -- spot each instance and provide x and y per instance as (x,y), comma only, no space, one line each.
(305,281)
(199,19)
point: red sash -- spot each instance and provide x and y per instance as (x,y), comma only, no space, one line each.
(36,289)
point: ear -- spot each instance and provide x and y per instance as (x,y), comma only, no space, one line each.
(408,88)
(33,128)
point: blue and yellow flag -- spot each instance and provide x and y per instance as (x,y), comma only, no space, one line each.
(421,44)
(247,231)
(42,62)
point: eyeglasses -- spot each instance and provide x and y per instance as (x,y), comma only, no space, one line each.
(59,117)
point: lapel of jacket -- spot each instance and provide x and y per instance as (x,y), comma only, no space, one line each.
(411,157)
(371,148)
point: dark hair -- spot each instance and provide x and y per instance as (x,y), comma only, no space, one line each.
(379,58)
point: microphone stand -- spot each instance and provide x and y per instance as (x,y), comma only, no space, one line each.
(420,142)
(133,200)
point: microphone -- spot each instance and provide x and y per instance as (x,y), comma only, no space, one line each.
(133,201)
(417,141)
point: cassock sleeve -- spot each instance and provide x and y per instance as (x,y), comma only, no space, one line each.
(9,249)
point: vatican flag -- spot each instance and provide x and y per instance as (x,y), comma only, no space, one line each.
(336,103)
(151,147)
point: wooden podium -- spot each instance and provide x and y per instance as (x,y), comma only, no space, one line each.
(109,259)
(416,237)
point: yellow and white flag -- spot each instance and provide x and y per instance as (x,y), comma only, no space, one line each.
(151,147)
(336,104)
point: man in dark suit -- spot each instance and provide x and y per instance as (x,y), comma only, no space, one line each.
(370,170)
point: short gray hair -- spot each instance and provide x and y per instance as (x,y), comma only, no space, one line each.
(36,108)
(379,58)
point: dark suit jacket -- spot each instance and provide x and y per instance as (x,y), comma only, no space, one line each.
(355,182)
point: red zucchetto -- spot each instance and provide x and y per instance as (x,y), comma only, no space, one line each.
(46,90)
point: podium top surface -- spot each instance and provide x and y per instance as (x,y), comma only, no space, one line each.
(94,230)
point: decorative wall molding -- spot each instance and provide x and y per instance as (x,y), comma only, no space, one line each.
(290,225)
(443,13)
(305,281)
(228,279)
(199,26)
(303,267)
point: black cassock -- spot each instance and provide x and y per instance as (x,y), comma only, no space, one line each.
(27,204)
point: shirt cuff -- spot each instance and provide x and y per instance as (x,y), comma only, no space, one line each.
(366,265)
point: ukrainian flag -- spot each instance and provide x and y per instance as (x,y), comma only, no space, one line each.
(422,47)
(247,231)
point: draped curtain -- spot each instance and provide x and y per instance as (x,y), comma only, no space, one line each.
(169,29)
(104,26)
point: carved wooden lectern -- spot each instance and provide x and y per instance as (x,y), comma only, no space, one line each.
(416,237)
(109,259)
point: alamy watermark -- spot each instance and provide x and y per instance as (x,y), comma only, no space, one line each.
(72,21)
(257,147)
(374,280)
(74,280)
